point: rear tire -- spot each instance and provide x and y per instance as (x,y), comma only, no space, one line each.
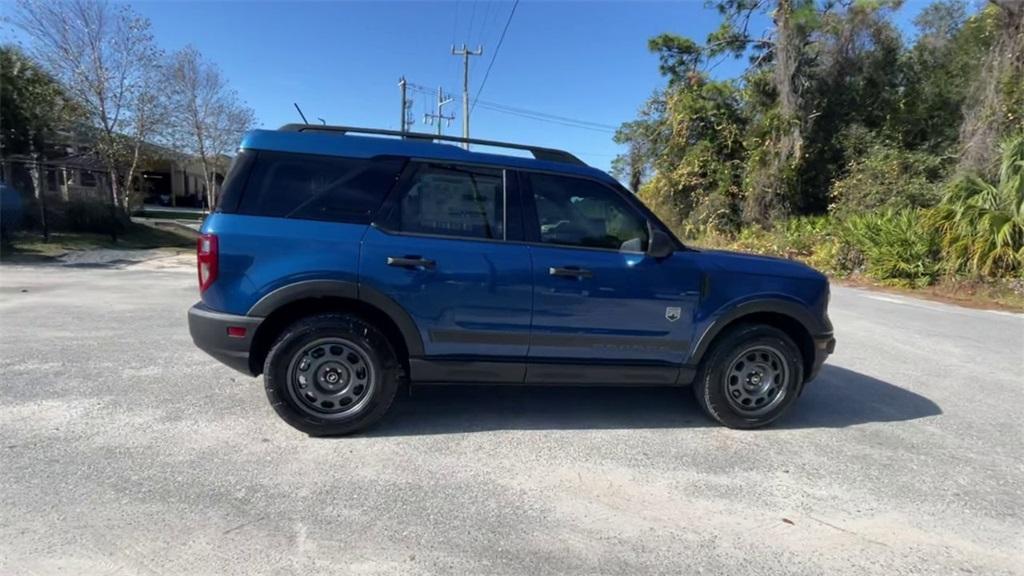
(750,377)
(331,374)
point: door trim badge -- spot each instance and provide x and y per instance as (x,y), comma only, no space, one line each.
(672,313)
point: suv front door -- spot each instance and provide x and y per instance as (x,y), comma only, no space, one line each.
(603,311)
(439,250)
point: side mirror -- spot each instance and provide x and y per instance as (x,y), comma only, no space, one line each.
(660,245)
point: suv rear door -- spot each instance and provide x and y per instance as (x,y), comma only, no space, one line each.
(603,310)
(439,248)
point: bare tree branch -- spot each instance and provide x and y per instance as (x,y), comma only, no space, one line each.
(105,56)
(208,116)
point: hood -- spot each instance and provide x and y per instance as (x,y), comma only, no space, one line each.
(727,261)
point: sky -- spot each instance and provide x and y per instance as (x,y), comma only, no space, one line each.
(341,60)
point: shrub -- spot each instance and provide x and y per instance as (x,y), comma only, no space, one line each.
(888,178)
(982,223)
(91,216)
(811,239)
(803,235)
(757,240)
(828,256)
(894,246)
(818,241)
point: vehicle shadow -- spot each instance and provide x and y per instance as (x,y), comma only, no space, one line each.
(836,399)
(839,397)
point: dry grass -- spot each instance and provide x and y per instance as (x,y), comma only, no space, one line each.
(27,247)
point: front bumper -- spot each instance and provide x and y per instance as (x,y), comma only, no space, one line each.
(824,344)
(209,331)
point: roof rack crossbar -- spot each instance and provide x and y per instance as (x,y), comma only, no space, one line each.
(539,152)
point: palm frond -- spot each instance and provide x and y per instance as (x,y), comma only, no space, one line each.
(982,223)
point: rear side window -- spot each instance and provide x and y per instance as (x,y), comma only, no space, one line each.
(459,201)
(312,187)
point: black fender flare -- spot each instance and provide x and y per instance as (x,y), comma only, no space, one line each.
(776,305)
(368,295)
(301,290)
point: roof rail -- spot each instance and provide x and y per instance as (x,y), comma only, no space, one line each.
(539,152)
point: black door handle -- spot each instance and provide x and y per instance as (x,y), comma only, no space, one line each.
(411,262)
(571,272)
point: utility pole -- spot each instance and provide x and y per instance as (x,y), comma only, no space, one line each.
(465,53)
(405,121)
(442,100)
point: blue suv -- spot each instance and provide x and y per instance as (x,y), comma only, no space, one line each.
(345,263)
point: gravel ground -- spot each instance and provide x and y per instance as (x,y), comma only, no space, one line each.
(127,451)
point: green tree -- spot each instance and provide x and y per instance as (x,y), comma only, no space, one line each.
(882,175)
(836,114)
(644,138)
(696,185)
(850,84)
(33,106)
(935,76)
(679,58)
(995,104)
(778,66)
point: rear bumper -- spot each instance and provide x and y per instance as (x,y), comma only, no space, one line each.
(824,344)
(209,331)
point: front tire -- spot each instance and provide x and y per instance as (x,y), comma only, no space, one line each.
(750,377)
(331,374)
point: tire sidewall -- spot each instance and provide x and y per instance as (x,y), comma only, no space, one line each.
(711,389)
(292,341)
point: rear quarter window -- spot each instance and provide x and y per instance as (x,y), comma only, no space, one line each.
(234,182)
(311,187)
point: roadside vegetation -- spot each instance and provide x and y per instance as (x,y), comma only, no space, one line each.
(31,247)
(873,155)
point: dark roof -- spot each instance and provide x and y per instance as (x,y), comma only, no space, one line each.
(86,161)
(344,141)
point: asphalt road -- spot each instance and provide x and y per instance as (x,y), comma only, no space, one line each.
(127,451)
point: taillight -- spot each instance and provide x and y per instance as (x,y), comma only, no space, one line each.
(206,260)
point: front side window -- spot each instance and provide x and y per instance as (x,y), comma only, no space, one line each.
(452,201)
(578,212)
(311,187)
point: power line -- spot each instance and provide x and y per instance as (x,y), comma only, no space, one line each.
(495,54)
(455,21)
(549,121)
(484,22)
(472,20)
(455,29)
(506,107)
(583,125)
(420,88)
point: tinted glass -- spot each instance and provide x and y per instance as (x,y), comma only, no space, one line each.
(234,182)
(452,201)
(577,212)
(317,187)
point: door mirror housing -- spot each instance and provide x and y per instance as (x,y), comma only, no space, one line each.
(660,245)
